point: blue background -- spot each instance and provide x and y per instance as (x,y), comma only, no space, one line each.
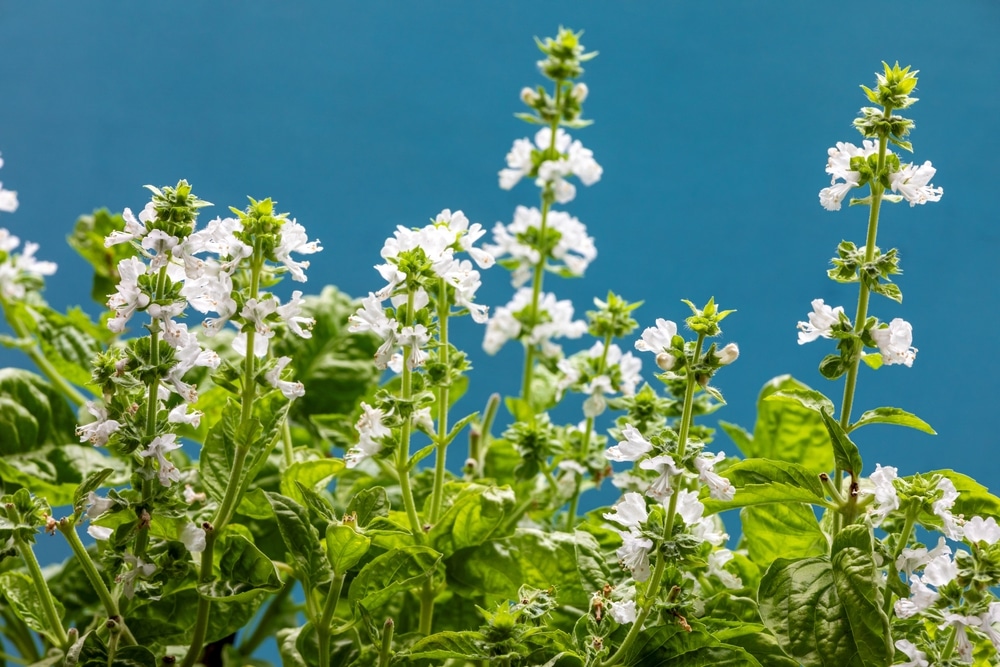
(712,124)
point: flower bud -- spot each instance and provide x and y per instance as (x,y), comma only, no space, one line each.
(665,361)
(580,92)
(529,96)
(729,354)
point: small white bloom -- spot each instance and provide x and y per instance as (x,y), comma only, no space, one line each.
(921,598)
(917,658)
(894,342)
(664,464)
(716,566)
(630,511)
(289,389)
(134,229)
(719,487)
(632,448)
(294,239)
(942,508)
(623,611)
(912,559)
(372,430)
(689,507)
(978,530)
(657,339)
(820,323)
(633,554)
(914,184)
(100,430)
(963,647)
(97,505)
(191,496)
(99,533)
(940,571)
(289,313)
(159,447)
(729,354)
(886,499)
(129,295)
(193,537)
(989,619)
(139,568)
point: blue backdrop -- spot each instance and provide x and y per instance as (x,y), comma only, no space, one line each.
(712,124)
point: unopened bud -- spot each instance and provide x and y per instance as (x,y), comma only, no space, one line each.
(529,96)
(665,361)
(470,466)
(580,92)
(729,354)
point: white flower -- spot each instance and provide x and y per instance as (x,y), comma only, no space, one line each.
(661,486)
(917,658)
(99,533)
(633,554)
(134,229)
(894,342)
(289,313)
(990,618)
(913,183)
(921,598)
(716,566)
(466,235)
(942,508)
(719,487)
(158,448)
(97,505)
(912,559)
(729,354)
(519,164)
(219,238)
(294,239)
(193,538)
(630,511)
(978,530)
(97,432)
(129,296)
(180,415)
(657,339)
(820,323)
(622,611)
(940,571)
(689,507)
(575,249)
(963,647)
(838,165)
(556,322)
(886,499)
(632,448)
(289,389)
(191,496)
(371,429)
(139,568)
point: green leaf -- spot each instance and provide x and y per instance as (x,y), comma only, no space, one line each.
(88,240)
(890,290)
(69,342)
(788,431)
(301,539)
(168,620)
(310,474)
(90,483)
(807,398)
(465,645)
(244,571)
(475,514)
(845,452)
(345,547)
(368,504)
(669,645)
(829,612)
(32,413)
(219,450)
(873,360)
(571,562)
(892,416)
(760,481)
(782,530)
(393,572)
(25,603)
(287,649)
(57,472)
(740,437)
(757,641)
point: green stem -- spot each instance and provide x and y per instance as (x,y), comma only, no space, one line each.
(236,485)
(286,435)
(68,529)
(427,607)
(668,527)
(588,432)
(904,537)
(44,594)
(403,453)
(385,653)
(264,629)
(44,365)
(323,627)
(444,307)
(949,648)
(539,273)
(864,293)
(479,442)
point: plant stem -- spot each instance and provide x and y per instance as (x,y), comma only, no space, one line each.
(44,594)
(668,527)
(286,436)
(323,627)
(236,485)
(444,306)
(68,529)
(403,452)
(904,537)
(588,432)
(539,274)
(385,653)
(264,629)
(427,606)
(864,293)
(44,365)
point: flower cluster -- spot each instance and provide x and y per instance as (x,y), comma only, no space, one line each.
(513,322)
(20,272)
(522,244)
(599,372)
(551,159)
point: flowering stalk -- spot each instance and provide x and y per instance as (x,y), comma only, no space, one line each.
(444,308)
(661,562)
(403,450)
(45,598)
(323,627)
